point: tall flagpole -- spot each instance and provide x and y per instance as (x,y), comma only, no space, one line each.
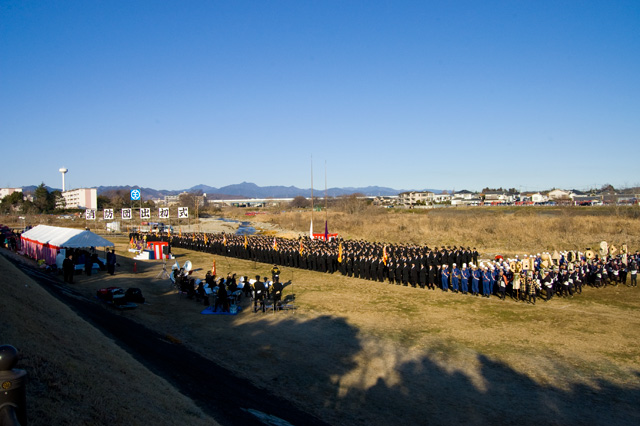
(326,226)
(311,227)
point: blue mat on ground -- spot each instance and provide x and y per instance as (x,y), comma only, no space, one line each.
(210,311)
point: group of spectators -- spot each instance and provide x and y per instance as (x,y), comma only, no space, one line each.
(454,269)
(224,289)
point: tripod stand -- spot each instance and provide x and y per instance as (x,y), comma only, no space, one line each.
(163,274)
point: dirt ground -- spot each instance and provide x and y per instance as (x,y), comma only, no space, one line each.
(360,352)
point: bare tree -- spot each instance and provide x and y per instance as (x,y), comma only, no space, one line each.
(299,202)
(352,204)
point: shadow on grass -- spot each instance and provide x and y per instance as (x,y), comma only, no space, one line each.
(505,396)
(328,378)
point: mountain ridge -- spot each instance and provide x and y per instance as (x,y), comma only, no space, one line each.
(249,190)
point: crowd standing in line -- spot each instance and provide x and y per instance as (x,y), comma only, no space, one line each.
(455,269)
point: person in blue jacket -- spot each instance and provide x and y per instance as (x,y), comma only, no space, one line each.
(465,274)
(475,280)
(445,278)
(455,278)
(487,283)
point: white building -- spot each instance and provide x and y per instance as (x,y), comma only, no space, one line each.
(441,198)
(539,198)
(81,198)
(557,194)
(413,198)
(8,191)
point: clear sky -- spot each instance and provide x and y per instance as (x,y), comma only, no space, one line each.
(402,94)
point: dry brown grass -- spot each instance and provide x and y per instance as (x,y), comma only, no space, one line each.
(72,382)
(359,352)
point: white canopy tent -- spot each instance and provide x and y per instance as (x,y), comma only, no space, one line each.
(44,242)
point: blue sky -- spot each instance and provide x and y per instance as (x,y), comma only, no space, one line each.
(403,94)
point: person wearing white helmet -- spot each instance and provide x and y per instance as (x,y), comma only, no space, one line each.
(444,277)
(465,274)
(475,280)
(455,278)
(487,283)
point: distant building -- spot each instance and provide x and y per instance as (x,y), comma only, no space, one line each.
(559,194)
(442,198)
(464,195)
(539,198)
(498,197)
(8,191)
(385,201)
(170,200)
(414,198)
(587,200)
(81,198)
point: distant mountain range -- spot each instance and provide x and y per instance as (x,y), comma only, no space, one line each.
(249,190)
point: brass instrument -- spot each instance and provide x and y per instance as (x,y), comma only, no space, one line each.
(571,256)
(515,266)
(604,248)
(590,254)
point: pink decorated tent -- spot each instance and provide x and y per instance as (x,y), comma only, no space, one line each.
(43,241)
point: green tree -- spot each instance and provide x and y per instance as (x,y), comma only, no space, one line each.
(43,201)
(12,202)
(103,201)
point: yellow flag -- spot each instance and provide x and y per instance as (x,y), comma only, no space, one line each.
(340,253)
(245,241)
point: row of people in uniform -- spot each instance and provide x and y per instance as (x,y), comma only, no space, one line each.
(414,265)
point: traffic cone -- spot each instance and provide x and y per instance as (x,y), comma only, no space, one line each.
(135,267)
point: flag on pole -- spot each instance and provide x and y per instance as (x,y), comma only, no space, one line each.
(246,243)
(224,240)
(326,231)
(385,258)
(213,268)
(133,245)
(206,240)
(168,232)
(275,244)
(311,230)
(180,232)
(301,247)
(340,253)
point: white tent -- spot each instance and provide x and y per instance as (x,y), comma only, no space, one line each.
(43,241)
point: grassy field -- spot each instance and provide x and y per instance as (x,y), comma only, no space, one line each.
(76,375)
(359,352)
